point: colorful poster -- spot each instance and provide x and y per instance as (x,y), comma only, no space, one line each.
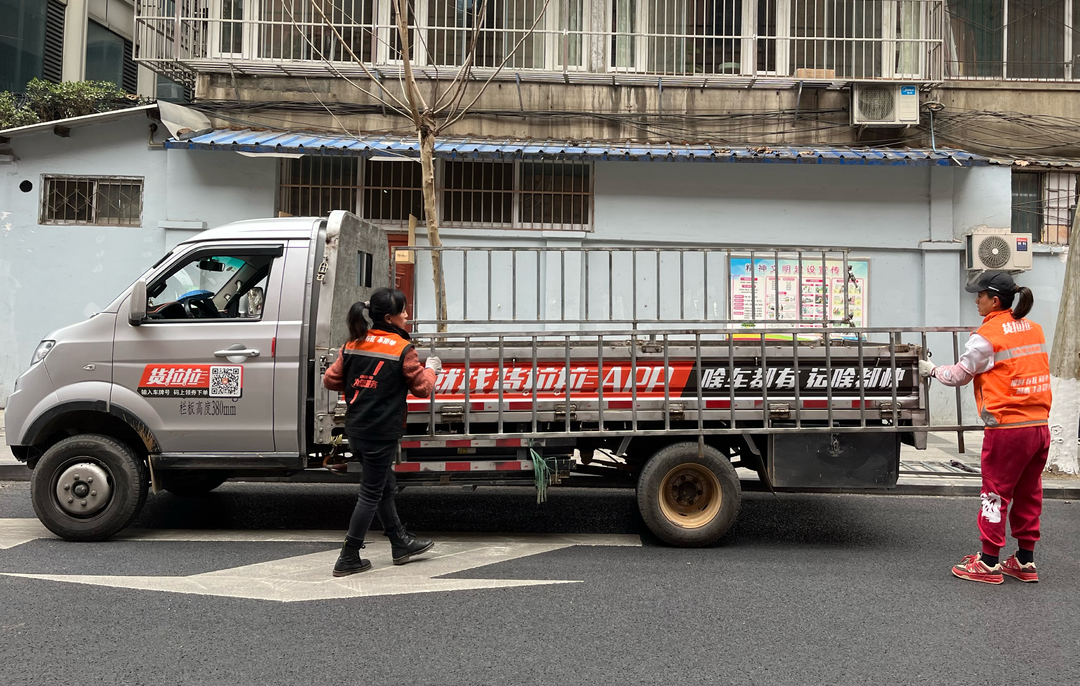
(767,292)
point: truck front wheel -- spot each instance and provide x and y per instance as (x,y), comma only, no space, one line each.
(686,499)
(88,487)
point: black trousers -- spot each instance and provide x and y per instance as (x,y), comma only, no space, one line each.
(378,486)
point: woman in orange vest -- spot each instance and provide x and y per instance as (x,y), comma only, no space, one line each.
(375,371)
(1007,360)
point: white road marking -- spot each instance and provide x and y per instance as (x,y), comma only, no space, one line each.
(307,577)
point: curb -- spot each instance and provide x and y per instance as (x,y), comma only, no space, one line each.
(15,472)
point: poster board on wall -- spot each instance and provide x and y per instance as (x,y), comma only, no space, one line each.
(771,289)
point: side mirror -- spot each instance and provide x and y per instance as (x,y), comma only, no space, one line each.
(137,304)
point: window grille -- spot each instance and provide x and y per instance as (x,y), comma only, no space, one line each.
(104,201)
(555,194)
(392,191)
(548,195)
(480,192)
(1043,204)
(314,186)
(1013,39)
(804,39)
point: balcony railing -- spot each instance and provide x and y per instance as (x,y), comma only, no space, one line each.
(602,41)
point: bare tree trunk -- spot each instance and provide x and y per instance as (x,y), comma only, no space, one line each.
(425,131)
(1065,366)
(427,165)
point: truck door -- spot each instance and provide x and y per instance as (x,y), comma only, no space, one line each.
(202,362)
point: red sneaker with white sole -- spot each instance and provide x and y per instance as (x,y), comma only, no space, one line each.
(1024,572)
(973,568)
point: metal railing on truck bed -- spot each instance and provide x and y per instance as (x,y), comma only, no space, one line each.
(576,384)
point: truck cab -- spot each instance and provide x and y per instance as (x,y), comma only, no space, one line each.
(198,371)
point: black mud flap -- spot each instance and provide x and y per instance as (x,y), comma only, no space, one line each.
(840,460)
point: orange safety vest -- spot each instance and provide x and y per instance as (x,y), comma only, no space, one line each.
(1016,392)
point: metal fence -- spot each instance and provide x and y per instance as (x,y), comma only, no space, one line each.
(639,287)
(822,40)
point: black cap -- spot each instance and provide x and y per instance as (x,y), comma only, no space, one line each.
(997,282)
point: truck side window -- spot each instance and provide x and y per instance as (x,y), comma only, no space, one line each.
(225,286)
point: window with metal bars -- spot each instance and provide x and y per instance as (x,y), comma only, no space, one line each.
(1013,39)
(550,195)
(1044,204)
(93,201)
(542,195)
(314,186)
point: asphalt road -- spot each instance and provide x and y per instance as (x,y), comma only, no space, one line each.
(804,590)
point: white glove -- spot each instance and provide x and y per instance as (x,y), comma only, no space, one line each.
(926,368)
(434,363)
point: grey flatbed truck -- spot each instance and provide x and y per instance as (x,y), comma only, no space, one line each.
(596,366)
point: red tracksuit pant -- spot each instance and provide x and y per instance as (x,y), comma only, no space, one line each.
(1012,464)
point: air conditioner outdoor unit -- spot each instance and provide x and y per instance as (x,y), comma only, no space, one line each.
(998,251)
(884,104)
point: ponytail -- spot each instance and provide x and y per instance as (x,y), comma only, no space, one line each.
(358,325)
(1026,300)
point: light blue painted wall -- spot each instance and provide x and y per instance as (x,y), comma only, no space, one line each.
(52,276)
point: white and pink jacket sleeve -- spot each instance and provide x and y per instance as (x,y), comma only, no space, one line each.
(978,358)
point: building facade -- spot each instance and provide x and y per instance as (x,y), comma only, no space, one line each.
(786,95)
(75,40)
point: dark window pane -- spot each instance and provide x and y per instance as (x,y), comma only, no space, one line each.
(104,55)
(169,90)
(22,43)
(478,192)
(1027,204)
(314,186)
(555,193)
(393,190)
(977,38)
(1036,39)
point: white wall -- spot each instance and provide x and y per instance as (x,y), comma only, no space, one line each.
(52,276)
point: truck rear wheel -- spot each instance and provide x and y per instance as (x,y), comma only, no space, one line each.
(689,500)
(184,482)
(88,487)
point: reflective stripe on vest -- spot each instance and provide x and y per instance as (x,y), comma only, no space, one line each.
(1023,350)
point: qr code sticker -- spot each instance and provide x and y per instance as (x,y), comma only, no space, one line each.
(225,382)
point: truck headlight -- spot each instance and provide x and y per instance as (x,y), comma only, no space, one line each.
(41,351)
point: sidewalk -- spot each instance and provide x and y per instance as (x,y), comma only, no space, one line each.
(941,469)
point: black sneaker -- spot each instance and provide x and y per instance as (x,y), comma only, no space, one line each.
(404,546)
(349,561)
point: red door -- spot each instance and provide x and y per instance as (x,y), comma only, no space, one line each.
(403,272)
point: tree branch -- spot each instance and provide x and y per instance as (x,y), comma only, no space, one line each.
(452,118)
(359,62)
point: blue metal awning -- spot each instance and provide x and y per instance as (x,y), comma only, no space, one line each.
(367,145)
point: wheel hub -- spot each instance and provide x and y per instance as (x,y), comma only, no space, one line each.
(83,489)
(690,496)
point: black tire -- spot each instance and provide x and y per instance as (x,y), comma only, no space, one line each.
(687,500)
(186,483)
(126,476)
